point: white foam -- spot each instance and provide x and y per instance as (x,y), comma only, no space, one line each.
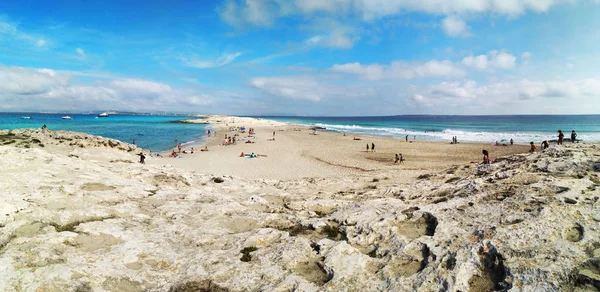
(446,135)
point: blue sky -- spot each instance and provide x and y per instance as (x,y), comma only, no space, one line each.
(302,57)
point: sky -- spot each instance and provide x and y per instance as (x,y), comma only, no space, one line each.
(302,57)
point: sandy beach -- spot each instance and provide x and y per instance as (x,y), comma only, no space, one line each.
(297,153)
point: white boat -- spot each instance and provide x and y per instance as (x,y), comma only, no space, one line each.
(26,118)
(67,118)
(103,115)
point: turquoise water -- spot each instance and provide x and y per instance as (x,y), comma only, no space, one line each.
(155,133)
(486,129)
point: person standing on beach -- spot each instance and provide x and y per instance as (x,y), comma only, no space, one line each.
(573,136)
(273,133)
(406,138)
(373,147)
(142,158)
(512,141)
(561,136)
(367,147)
(179,147)
(44,129)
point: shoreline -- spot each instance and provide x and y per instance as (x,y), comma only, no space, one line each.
(296,153)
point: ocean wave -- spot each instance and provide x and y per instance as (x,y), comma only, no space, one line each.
(447,134)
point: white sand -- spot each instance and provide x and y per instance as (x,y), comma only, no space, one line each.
(296,154)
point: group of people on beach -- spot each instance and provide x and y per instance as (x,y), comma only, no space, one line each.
(533,148)
(372,147)
(545,144)
(399,158)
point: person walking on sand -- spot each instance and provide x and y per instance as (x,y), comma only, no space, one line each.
(273,133)
(372,147)
(367,147)
(561,136)
(401,158)
(396,159)
(142,158)
(573,136)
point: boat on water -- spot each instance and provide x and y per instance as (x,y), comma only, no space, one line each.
(103,115)
(67,118)
(26,118)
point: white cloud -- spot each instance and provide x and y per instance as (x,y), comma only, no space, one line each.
(308,88)
(39,89)
(265,12)
(12,30)
(26,81)
(401,70)
(492,60)
(455,27)
(80,52)
(299,88)
(526,55)
(338,41)
(499,93)
(219,62)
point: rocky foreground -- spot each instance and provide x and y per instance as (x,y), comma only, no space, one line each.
(86,218)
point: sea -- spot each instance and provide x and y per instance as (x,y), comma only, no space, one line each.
(484,129)
(152,132)
(158,133)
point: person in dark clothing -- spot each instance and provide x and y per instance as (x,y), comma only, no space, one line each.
(142,158)
(367,147)
(373,147)
(486,157)
(545,145)
(573,136)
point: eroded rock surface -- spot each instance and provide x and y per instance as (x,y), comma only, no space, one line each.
(120,226)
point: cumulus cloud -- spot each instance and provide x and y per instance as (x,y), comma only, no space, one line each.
(470,92)
(39,89)
(401,70)
(307,88)
(492,60)
(219,62)
(455,27)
